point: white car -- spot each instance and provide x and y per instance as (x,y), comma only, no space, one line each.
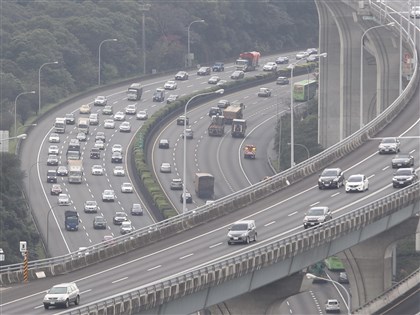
(119,171)
(62,295)
(270,66)
(415,12)
(125,126)
(301,55)
(126,227)
(213,79)
(54,138)
(357,182)
(109,124)
(131,109)
(108,195)
(165,168)
(100,101)
(63,200)
(97,170)
(126,188)
(90,206)
(170,85)
(53,149)
(142,115)
(85,109)
(332,306)
(99,144)
(119,116)
(117,148)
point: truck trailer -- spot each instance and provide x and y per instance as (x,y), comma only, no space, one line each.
(238,128)
(204,185)
(217,126)
(248,61)
(134,92)
(232,112)
(75,171)
(60,125)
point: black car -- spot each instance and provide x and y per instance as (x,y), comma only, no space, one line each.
(204,71)
(99,222)
(402,160)
(136,209)
(331,178)
(159,95)
(51,176)
(95,153)
(116,157)
(188,197)
(404,177)
(215,111)
(164,144)
(282,60)
(181,120)
(70,120)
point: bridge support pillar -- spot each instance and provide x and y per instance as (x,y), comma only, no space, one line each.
(369,264)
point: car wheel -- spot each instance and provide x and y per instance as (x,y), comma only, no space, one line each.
(77,301)
(229,243)
(255,237)
(46,306)
(247,240)
(67,304)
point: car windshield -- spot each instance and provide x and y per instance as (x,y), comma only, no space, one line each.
(403,172)
(316,212)
(402,156)
(353,179)
(58,290)
(388,140)
(239,227)
(330,173)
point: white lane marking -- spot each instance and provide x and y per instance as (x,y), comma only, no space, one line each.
(215,245)
(314,204)
(119,280)
(385,168)
(336,194)
(270,223)
(293,213)
(153,268)
(186,256)
(86,291)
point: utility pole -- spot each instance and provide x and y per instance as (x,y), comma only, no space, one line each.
(143,8)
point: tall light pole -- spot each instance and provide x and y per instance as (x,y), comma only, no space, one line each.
(361,67)
(292,131)
(188,61)
(143,8)
(303,146)
(99,57)
(184,186)
(23,93)
(348,305)
(39,83)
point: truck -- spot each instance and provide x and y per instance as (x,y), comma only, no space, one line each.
(83,125)
(232,112)
(60,125)
(71,220)
(73,150)
(75,171)
(217,126)
(134,92)
(248,61)
(204,185)
(238,128)
(250,151)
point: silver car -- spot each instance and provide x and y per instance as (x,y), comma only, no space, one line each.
(243,231)
(62,295)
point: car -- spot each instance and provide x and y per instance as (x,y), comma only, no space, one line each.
(214,111)
(136,209)
(172,98)
(343,278)
(100,135)
(95,153)
(222,83)
(99,144)
(119,116)
(316,216)
(84,109)
(270,66)
(63,200)
(125,126)
(56,189)
(62,170)
(163,144)
(357,182)
(188,197)
(242,232)
(213,79)
(389,145)
(223,103)
(117,148)
(282,60)
(312,58)
(165,168)
(94,119)
(108,239)
(402,160)
(264,92)
(53,149)
(404,177)
(332,306)
(204,71)
(52,159)
(107,110)
(119,217)
(126,227)
(176,184)
(70,119)
(109,124)
(62,295)
(126,188)
(108,195)
(218,67)
(90,206)
(301,55)
(100,101)
(209,202)
(181,75)
(415,12)
(119,171)
(51,176)
(312,51)
(142,115)
(282,81)
(331,178)
(170,85)
(181,120)
(238,74)
(116,157)
(130,109)
(189,134)
(99,222)
(97,170)
(81,136)
(54,138)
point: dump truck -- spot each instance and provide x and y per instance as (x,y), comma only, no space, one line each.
(249,151)
(248,61)
(60,125)
(204,185)
(217,126)
(71,220)
(238,128)
(75,171)
(232,112)
(134,92)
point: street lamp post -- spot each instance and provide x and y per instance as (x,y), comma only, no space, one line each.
(99,57)
(39,83)
(348,305)
(184,186)
(361,67)
(188,63)
(23,93)
(303,146)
